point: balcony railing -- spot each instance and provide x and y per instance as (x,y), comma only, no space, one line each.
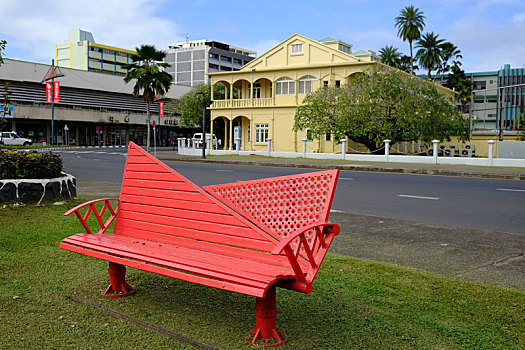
(241,103)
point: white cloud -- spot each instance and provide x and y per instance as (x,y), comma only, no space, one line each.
(487,43)
(33,28)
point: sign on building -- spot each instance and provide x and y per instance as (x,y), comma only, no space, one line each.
(161,104)
(6,111)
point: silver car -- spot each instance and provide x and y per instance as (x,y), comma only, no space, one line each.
(10,138)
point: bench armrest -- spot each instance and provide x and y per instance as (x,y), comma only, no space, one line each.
(91,208)
(313,248)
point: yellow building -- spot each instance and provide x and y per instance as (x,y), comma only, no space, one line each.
(262,97)
(81,52)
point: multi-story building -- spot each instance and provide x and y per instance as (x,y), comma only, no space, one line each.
(93,109)
(262,97)
(82,52)
(191,61)
(498,100)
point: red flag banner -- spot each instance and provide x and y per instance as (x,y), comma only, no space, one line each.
(49,95)
(57,91)
(161,103)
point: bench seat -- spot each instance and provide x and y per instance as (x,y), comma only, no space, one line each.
(229,268)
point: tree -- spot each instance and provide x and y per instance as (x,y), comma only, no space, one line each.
(410,24)
(429,53)
(382,103)
(449,52)
(390,56)
(3,44)
(459,82)
(151,80)
(189,106)
(404,64)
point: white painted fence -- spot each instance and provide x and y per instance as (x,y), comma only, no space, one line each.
(186,147)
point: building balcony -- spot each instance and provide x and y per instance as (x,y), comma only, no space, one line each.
(243,103)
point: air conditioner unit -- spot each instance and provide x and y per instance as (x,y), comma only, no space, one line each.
(449,152)
(470,147)
(466,152)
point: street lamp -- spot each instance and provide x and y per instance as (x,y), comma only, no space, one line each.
(205,104)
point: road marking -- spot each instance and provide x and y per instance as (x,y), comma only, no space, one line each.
(225,171)
(509,190)
(346,178)
(97,160)
(100,152)
(418,197)
(336,211)
(78,156)
(115,153)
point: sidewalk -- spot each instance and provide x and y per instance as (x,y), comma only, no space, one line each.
(406,168)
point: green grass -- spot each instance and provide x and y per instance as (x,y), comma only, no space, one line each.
(356,304)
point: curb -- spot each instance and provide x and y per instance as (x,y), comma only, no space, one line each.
(363,168)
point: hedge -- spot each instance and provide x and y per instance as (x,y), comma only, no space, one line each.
(29,165)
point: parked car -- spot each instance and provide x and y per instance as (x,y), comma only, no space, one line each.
(10,138)
(197,140)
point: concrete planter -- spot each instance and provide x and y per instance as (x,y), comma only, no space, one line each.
(36,191)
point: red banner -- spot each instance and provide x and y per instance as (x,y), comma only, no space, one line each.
(161,113)
(57,91)
(48,92)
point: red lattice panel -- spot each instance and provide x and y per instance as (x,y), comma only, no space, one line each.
(282,204)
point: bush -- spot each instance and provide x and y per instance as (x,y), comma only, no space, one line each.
(23,165)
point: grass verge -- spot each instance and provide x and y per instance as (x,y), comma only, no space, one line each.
(355,303)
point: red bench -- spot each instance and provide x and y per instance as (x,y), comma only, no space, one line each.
(245,237)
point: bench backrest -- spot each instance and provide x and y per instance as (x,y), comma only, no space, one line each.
(283,204)
(159,204)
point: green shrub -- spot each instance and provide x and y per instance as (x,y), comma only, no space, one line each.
(29,165)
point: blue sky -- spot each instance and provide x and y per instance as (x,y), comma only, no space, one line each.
(489,33)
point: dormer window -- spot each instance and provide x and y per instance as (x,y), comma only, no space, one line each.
(297,49)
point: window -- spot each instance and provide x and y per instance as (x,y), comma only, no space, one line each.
(261,133)
(249,134)
(256,90)
(480,85)
(309,135)
(297,49)
(325,83)
(285,86)
(305,84)
(344,48)
(328,136)
(338,83)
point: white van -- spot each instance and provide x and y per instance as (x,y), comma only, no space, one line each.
(10,138)
(197,140)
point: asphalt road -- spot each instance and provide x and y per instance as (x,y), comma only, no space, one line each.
(468,202)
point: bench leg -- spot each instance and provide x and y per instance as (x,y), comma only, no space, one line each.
(265,322)
(117,282)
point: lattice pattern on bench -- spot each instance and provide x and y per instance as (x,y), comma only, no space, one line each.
(282,204)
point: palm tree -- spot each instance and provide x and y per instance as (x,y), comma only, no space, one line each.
(147,69)
(448,51)
(410,23)
(429,53)
(390,56)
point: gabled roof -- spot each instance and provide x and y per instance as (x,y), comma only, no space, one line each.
(314,53)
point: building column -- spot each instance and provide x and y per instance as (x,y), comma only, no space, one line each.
(230,136)
(211,132)
(231,91)
(211,93)
(251,91)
